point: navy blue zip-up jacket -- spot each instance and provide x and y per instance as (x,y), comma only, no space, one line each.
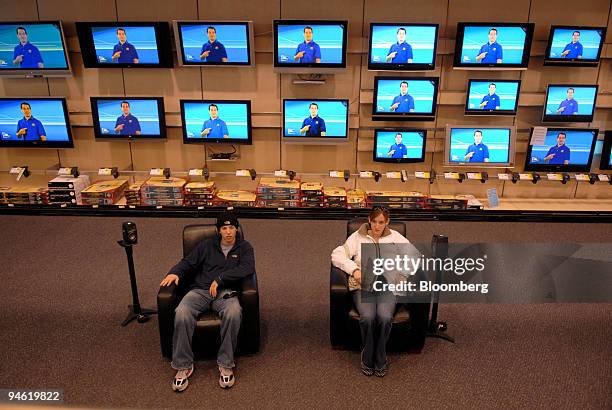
(206,262)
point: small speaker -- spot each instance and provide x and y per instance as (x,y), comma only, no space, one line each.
(130,234)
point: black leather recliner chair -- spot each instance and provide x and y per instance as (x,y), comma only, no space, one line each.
(206,337)
(409,323)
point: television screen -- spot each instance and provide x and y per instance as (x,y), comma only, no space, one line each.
(216,121)
(492,97)
(402,47)
(487,45)
(33,48)
(399,145)
(606,159)
(205,43)
(315,119)
(34,122)
(561,149)
(574,45)
(122,44)
(569,103)
(129,117)
(478,146)
(314,44)
(404,98)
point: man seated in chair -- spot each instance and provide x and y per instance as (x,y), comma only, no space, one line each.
(211,270)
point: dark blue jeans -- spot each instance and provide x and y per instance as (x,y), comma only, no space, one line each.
(376,310)
(195,302)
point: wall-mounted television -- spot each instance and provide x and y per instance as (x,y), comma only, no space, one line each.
(574,46)
(125,44)
(33,48)
(216,121)
(399,145)
(404,98)
(492,97)
(402,46)
(561,149)
(128,118)
(493,46)
(310,46)
(569,103)
(214,43)
(480,146)
(606,159)
(35,122)
(315,120)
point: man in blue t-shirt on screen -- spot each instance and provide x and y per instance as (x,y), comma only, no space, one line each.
(404,101)
(573,49)
(124,52)
(29,128)
(400,52)
(398,150)
(477,152)
(26,54)
(126,123)
(308,51)
(491,52)
(213,51)
(569,106)
(560,153)
(214,127)
(491,101)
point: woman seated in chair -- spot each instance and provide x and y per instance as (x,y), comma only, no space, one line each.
(376,309)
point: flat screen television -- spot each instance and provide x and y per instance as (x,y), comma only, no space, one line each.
(310,46)
(493,46)
(561,149)
(125,44)
(128,118)
(35,122)
(492,97)
(402,46)
(480,146)
(399,145)
(214,43)
(569,103)
(315,120)
(32,49)
(606,159)
(404,98)
(216,121)
(574,46)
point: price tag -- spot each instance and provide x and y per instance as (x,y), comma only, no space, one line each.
(94,206)
(11,205)
(157,172)
(526,177)
(200,207)
(63,206)
(105,171)
(422,175)
(230,208)
(64,171)
(603,177)
(280,173)
(242,173)
(132,206)
(158,207)
(582,177)
(280,209)
(474,175)
(503,177)
(16,170)
(366,174)
(394,175)
(451,175)
(554,177)
(194,172)
(336,174)
(121,206)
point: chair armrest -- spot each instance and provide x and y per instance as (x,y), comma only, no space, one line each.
(167,300)
(250,326)
(339,306)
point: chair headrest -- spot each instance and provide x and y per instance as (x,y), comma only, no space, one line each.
(354,224)
(194,234)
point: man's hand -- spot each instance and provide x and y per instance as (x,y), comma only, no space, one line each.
(205,132)
(357,275)
(390,152)
(481,55)
(119,127)
(392,55)
(482,104)
(204,54)
(213,289)
(169,280)
(566,52)
(561,109)
(22,131)
(469,155)
(394,106)
(43,137)
(116,55)
(549,157)
(19,59)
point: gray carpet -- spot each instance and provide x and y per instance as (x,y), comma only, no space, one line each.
(65,290)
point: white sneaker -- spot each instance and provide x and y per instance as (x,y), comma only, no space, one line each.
(226,377)
(181,380)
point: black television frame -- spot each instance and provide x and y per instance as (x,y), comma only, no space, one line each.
(231,141)
(328,139)
(471,111)
(573,61)
(560,167)
(568,118)
(405,116)
(88,50)
(422,131)
(114,137)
